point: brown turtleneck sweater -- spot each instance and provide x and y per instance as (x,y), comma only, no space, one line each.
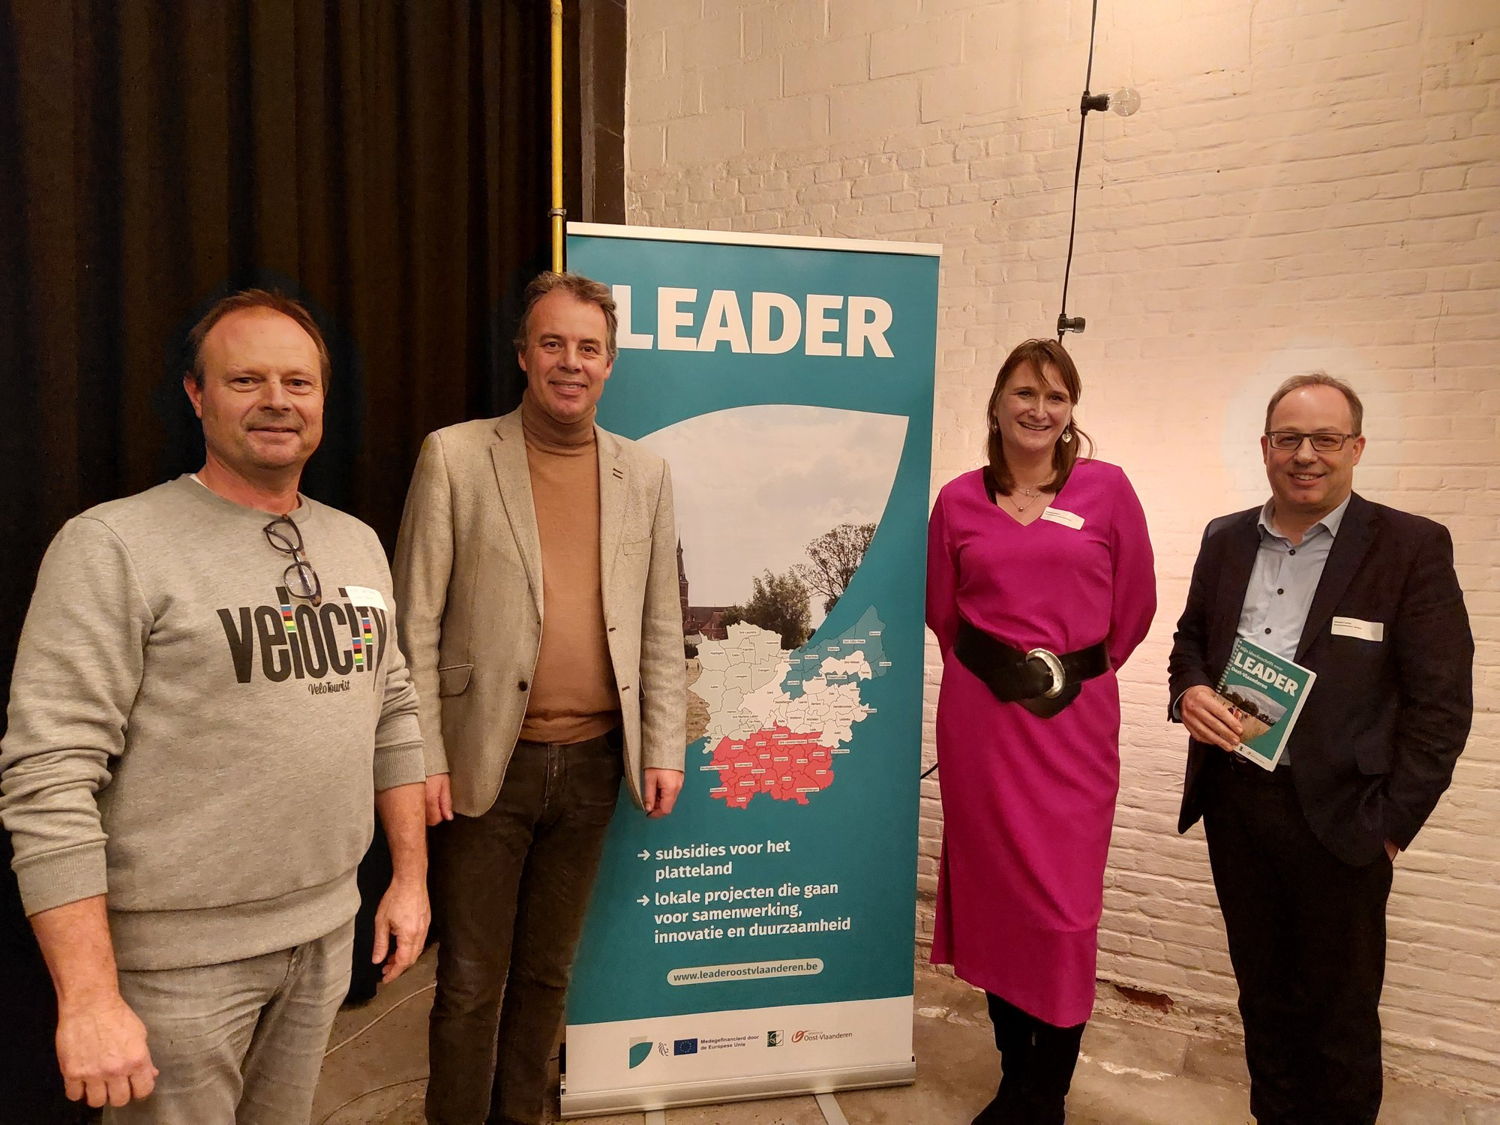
(573,691)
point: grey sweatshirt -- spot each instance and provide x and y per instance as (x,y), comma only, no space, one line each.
(187,738)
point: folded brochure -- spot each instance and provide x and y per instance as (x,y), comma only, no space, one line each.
(1266,693)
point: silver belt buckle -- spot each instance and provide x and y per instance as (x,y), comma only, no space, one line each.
(1054,669)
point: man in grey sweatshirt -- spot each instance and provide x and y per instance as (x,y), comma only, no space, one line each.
(207,692)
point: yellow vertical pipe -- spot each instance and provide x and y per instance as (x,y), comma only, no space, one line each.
(557,213)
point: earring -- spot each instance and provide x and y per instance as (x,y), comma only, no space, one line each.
(1067,438)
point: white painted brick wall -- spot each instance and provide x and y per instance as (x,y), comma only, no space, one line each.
(1310,183)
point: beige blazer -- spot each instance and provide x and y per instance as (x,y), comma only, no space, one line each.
(468,579)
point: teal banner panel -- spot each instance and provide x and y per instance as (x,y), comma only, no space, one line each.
(760,939)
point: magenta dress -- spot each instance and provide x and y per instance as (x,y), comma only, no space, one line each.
(1028,803)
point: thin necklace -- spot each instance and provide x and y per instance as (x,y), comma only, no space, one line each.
(1030,493)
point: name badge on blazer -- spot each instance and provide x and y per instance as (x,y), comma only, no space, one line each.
(1354,627)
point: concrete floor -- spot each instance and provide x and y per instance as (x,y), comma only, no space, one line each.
(1130,1073)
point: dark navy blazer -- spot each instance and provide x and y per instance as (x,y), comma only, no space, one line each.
(1376,741)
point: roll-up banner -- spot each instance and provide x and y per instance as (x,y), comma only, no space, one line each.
(759,941)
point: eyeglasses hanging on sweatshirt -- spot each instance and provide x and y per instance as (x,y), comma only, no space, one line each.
(300,577)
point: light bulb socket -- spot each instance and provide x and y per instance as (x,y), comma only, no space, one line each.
(1090,101)
(1066,323)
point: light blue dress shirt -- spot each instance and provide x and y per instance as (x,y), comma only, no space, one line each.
(1283,581)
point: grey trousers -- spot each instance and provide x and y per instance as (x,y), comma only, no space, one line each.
(239,1042)
(510,890)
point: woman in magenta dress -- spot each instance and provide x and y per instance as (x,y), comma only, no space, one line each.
(1043,548)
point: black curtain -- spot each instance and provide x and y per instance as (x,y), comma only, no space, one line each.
(384,161)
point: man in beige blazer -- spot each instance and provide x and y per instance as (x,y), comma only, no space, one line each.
(536,577)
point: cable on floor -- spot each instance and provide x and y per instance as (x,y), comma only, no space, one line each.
(377,1019)
(336,1110)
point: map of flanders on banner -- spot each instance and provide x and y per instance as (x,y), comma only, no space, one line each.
(759,940)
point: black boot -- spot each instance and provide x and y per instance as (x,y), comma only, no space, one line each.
(1032,1107)
(1054,1056)
(995,1112)
(1036,1062)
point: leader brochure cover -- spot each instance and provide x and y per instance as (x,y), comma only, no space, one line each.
(1266,694)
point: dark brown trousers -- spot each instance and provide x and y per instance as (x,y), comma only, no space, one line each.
(510,890)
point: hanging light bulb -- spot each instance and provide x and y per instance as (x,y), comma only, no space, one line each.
(1123,101)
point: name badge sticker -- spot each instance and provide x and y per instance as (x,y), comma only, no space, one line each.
(365,596)
(1066,518)
(1354,627)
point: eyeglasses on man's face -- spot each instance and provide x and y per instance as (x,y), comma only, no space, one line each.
(300,577)
(1287,441)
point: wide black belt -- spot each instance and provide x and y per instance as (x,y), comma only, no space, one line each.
(1043,682)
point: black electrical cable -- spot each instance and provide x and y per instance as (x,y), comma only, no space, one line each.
(1083,117)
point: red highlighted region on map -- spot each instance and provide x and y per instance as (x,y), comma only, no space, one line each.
(780,763)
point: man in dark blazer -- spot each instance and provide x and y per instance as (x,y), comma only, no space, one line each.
(1366,597)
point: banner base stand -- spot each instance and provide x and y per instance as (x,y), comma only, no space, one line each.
(638,1099)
